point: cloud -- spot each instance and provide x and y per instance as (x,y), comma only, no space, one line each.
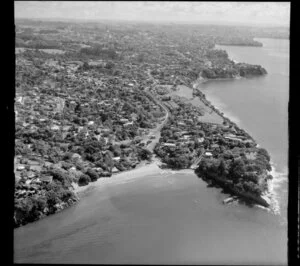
(239,12)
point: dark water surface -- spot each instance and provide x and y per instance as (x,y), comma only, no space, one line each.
(172,217)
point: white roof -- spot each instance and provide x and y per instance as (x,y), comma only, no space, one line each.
(170,144)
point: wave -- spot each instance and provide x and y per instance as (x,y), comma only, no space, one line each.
(274,185)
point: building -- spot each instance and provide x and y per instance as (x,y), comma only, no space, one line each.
(169,144)
(214,146)
(200,140)
(208,154)
(115,170)
(47,179)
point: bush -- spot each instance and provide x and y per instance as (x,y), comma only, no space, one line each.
(23,208)
(263,152)
(92,174)
(144,154)
(52,198)
(84,180)
(67,156)
(66,194)
(41,203)
(66,165)
(251,187)
(109,65)
(61,176)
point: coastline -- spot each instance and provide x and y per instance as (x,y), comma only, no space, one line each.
(269,195)
(202,80)
(152,168)
(121,177)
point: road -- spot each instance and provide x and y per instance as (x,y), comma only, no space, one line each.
(195,164)
(155,132)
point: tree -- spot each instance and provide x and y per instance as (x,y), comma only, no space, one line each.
(92,174)
(181,161)
(250,176)
(109,65)
(237,169)
(251,187)
(85,66)
(116,150)
(263,152)
(222,167)
(239,187)
(141,57)
(84,180)
(144,154)
(61,176)
(108,162)
(52,198)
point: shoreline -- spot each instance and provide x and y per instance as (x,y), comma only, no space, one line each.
(218,111)
(268,195)
(202,80)
(151,168)
(145,169)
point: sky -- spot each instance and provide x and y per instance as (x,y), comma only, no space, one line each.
(249,13)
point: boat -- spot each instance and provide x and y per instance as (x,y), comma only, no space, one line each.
(229,200)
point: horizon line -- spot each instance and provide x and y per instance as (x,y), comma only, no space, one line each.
(220,23)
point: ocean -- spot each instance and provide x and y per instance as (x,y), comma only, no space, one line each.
(260,104)
(172,217)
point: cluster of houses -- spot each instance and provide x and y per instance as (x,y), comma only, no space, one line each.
(72,107)
(187,124)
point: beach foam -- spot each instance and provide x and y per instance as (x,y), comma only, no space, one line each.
(273,185)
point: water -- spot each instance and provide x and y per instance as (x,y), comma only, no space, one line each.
(172,217)
(166,218)
(260,105)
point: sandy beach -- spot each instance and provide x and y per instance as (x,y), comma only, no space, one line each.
(120,178)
